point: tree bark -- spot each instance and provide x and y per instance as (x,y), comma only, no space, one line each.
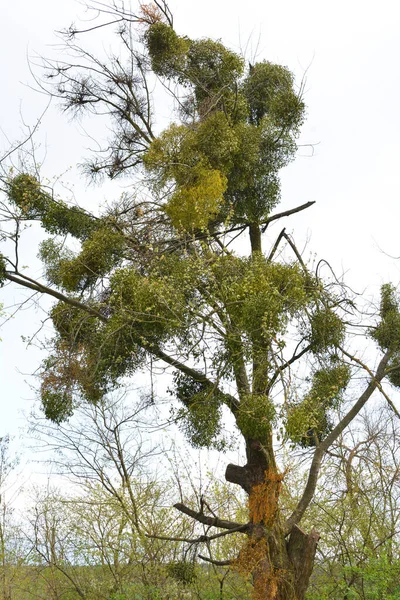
(255,237)
(285,572)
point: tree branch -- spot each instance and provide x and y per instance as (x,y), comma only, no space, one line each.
(44,289)
(382,391)
(277,242)
(294,248)
(218,563)
(36,286)
(199,540)
(286,213)
(211,521)
(285,366)
(328,441)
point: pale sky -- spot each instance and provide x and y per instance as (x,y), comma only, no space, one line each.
(350,50)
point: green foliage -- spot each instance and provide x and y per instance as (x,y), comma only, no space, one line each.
(112,353)
(327,330)
(263,295)
(3,267)
(90,359)
(100,253)
(139,311)
(74,326)
(172,155)
(245,154)
(192,207)
(269,91)
(218,140)
(329,383)
(256,416)
(387,332)
(206,66)
(57,405)
(200,420)
(196,161)
(394,370)
(56,217)
(307,422)
(25,191)
(246,131)
(59,374)
(209,145)
(183,571)
(389,301)
(153,306)
(116,352)
(253,185)
(166,49)
(212,68)
(54,255)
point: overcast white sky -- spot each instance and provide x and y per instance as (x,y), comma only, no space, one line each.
(350,49)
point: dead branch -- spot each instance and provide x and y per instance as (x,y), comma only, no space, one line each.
(286,213)
(211,521)
(218,563)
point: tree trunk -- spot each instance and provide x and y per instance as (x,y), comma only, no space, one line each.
(280,566)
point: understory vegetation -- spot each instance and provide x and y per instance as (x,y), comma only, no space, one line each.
(114,538)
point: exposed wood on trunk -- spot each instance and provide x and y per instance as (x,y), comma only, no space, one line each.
(301,549)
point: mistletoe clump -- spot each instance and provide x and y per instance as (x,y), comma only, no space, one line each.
(100,253)
(182,571)
(327,330)
(195,204)
(167,50)
(387,332)
(267,296)
(200,419)
(244,128)
(308,421)
(55,216)
(256,416)
(3,267)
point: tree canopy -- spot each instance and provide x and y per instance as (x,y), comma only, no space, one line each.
(182,270)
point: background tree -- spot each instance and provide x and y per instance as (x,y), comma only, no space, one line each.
(120,519)
(14,551)
(103,533)
(357,508)
(160,276)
